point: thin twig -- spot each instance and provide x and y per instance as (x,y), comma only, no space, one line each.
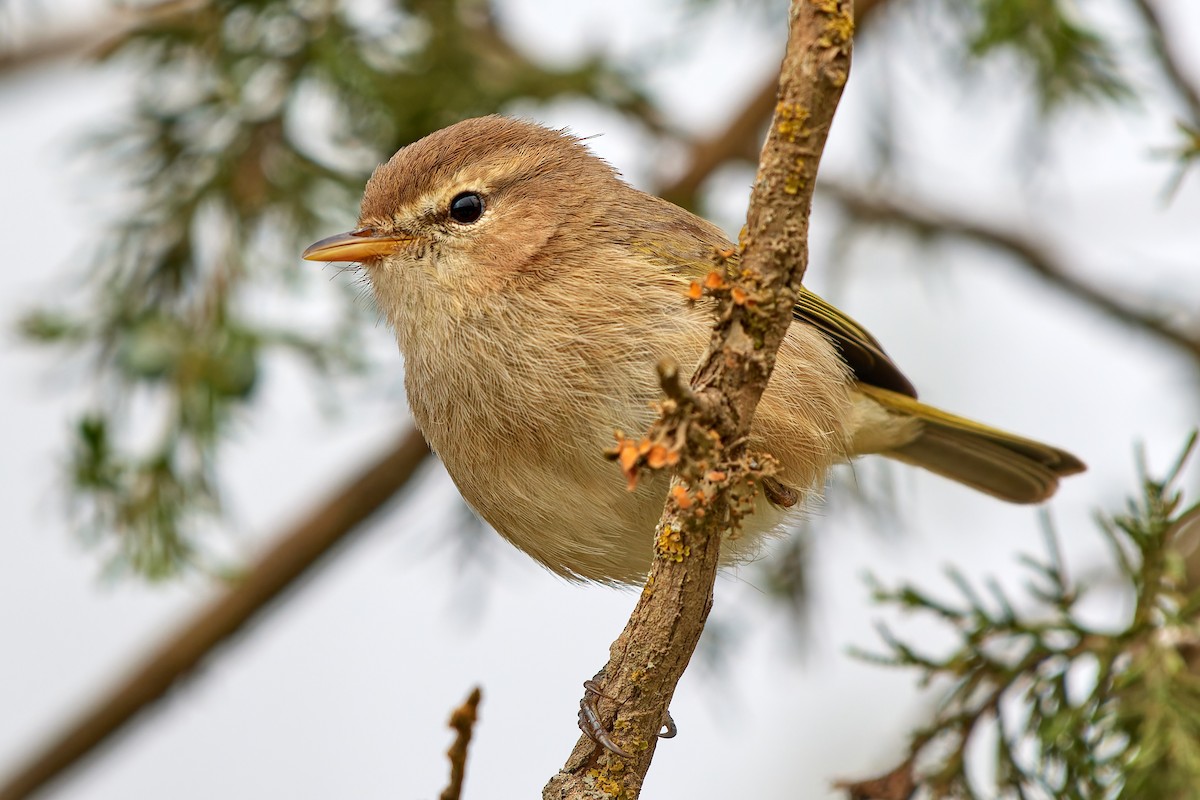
(1169,62)
(1032,255)
(293,554)
(462,720)
(709,491)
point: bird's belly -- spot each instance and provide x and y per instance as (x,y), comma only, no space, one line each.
(527,452)
(540,478)
(546,486)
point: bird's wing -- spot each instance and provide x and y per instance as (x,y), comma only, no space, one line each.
(866,357)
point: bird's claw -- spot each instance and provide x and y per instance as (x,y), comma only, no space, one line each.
(593,728)
(589,719)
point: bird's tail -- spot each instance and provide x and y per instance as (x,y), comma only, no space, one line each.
(1001,464)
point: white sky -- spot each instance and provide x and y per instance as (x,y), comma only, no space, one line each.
(344,689)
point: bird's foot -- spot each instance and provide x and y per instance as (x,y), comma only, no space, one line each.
(778,494)
(593,728)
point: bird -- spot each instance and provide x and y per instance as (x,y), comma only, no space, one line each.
(532,292)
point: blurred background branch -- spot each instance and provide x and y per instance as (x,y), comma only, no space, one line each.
(295,552)
(1177,327)
(1170,61)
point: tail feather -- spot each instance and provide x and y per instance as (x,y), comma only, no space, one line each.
(1001,464)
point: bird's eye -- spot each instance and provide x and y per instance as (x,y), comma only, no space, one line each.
(466,207)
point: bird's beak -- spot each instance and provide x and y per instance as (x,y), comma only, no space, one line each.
(363,244)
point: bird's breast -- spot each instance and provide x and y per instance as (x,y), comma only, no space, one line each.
(520,403)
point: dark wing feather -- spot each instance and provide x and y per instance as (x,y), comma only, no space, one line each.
(859,348)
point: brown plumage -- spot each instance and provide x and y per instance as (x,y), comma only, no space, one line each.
(530,334)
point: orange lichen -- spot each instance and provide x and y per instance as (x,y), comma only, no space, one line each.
(660,457)
(682,498)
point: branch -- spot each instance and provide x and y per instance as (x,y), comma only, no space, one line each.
(1031,254)
(462,720)
(54,47)
(1168,60)
(294,553)
(708,427)
(742,137)
(95,40)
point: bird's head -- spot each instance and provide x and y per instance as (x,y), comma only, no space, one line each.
(473,209)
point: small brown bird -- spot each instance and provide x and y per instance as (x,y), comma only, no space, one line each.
(532,293)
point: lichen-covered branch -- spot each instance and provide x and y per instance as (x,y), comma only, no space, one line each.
(707,427)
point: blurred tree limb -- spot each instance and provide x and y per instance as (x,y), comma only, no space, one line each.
(874,207)
(48,49)
(704,427)
(1169,61)
(1185,87)
(292,555)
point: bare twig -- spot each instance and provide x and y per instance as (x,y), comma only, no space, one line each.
(1169,62)
(713,482)
(463,723)
(1031,254)
(294,553)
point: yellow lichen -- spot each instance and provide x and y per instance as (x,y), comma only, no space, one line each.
(606,783)
(669,544)
(839,26)
(796,179)
(789,121)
